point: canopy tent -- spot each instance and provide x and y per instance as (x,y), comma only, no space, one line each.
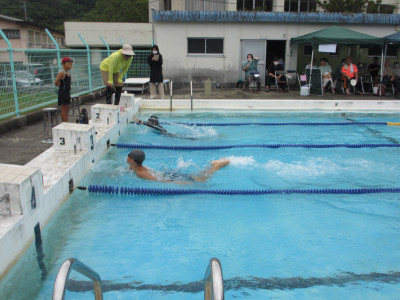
(337,35)
(393,39)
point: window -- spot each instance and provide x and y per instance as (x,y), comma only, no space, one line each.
(257,5)
(11,34)
(300,5)
(167,4)
(377,51)
(205,46)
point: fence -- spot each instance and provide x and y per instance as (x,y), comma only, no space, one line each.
(27,75)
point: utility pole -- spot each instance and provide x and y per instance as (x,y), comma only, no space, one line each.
(23,3)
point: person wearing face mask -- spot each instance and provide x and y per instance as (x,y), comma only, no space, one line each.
(270,79)
(113,68)
(251,73)
(155,62)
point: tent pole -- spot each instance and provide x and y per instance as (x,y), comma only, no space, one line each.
(312,59)
(382,68)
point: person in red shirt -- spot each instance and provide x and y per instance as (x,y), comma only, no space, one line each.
(349,72)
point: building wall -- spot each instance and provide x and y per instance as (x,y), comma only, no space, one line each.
(136,34)
(179,66)
(30,36)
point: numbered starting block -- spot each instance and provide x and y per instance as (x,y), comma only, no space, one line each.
(74,137)
(127,100)
(105,113)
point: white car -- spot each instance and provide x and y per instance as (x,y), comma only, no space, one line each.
(23,78)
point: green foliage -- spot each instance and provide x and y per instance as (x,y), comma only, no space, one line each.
(344,6)
(52,13)
(119,11)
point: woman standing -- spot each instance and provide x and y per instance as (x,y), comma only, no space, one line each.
(156,77)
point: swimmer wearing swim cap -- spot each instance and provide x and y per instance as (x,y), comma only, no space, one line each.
(136,157)
(154,123)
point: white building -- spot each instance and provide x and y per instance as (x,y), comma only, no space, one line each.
(213,45)
(204,39)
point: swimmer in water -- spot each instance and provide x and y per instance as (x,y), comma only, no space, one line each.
(153,123)
(136,157)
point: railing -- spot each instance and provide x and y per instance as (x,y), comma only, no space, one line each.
(213,281)
(63,274)
(27,75)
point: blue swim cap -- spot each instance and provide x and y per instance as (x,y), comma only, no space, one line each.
(137,155)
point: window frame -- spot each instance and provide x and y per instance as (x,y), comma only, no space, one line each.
(221,54)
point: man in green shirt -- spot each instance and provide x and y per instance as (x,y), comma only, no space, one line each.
(113,68)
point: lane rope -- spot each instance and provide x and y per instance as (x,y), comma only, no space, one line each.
(108,189)
(177,147)
(282,124)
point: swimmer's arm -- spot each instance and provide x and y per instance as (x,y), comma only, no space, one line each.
(137,121)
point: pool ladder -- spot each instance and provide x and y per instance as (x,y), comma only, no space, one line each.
(213,280)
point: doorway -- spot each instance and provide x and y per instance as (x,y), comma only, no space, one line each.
(275,48)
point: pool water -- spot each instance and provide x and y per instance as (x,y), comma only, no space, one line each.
(270,247)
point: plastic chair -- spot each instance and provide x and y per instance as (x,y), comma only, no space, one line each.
(282,81)
(49,118)
(302,79)
(367,81)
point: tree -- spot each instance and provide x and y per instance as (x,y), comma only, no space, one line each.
(119,11)
(345,6)
(48,13)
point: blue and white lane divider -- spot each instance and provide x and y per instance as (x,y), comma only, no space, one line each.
(107,189)
(176,147)
(283,123)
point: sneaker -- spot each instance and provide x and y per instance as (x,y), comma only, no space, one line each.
(151,97)
(267,90)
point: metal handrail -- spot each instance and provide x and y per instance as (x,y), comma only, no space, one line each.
(63,274)
(213,281)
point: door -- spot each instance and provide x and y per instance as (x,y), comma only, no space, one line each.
(257,48)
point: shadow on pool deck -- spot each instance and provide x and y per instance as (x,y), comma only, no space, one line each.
(20,144)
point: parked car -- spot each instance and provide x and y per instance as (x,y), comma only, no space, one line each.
(22,78)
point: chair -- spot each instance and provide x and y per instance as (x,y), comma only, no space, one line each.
(367,81)
(254,81)
(344,86)
(49,118)
(302,79)
(281,81)
(75,104)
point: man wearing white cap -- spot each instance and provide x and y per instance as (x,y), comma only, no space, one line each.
(113,68)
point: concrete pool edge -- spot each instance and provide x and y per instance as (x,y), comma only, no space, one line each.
(53,191)
(38,189)
(273,104)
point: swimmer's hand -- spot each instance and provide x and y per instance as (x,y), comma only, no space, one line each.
(137,121)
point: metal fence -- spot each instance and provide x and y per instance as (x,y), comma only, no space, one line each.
(27,75)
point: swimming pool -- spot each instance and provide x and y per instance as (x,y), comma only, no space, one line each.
(271,246)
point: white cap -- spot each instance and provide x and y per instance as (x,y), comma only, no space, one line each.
(127,50)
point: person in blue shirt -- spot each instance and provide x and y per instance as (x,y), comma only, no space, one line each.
(251,73)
